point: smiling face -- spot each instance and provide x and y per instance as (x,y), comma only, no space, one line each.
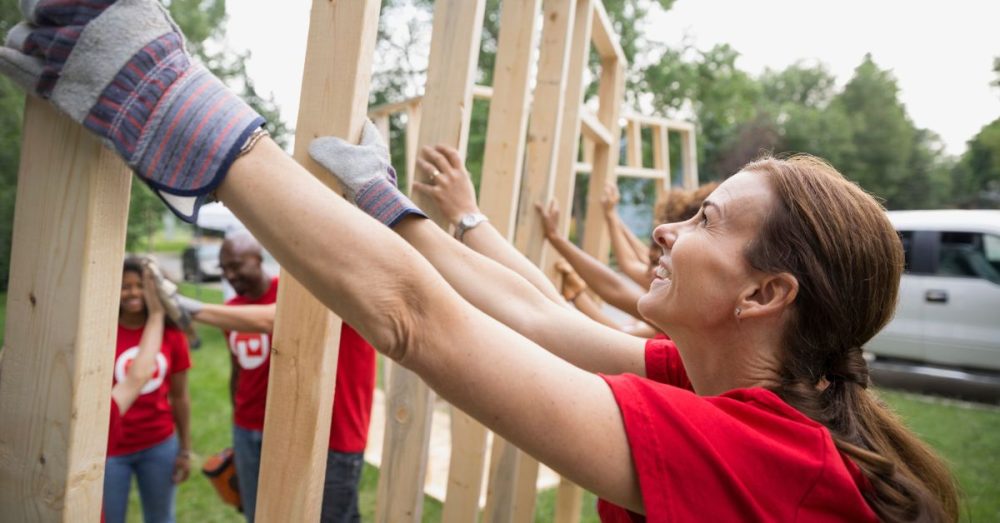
(132,300)
(703,271)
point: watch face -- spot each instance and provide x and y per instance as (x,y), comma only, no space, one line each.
(469,220)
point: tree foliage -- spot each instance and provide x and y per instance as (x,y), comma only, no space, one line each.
(203,22)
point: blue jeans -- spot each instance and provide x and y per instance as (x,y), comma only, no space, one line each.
(340,488)
(246,454)
(154,470)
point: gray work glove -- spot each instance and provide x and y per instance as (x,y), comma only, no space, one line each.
(365,172)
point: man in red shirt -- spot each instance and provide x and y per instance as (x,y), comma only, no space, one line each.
(247,320)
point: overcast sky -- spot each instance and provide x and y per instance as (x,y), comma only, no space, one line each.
(940,52)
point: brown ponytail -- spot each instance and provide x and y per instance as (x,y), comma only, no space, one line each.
(837,242)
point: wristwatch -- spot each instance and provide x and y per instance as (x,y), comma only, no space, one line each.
(468,222)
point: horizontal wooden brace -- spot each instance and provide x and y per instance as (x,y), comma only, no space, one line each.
(592,128)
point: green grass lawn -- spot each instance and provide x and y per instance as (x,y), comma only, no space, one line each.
(968,436)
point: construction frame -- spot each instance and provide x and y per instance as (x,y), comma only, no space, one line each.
(69,234)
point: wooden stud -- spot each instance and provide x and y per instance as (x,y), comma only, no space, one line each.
(689,155)
(382,123)
(569,502)
(335,84)
(661,160)
(451,67)
(62,308)
(569,138)
(593,129)
(633,146)
(503,160)
(412,133)
(503,157)
(605,40)
(610,93)
(639,172)
(513,475)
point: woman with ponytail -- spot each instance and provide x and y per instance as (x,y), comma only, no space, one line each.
(758,409)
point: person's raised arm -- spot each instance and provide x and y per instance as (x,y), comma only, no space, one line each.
(125,392)
(357,267)
(629,251)
(377,284)
(455,196)
(599,277)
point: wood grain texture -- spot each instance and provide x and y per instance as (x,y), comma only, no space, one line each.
(62,309)
(334,97)
(513,474)
(611,92)
(569,137)
(503,157)
(455,39)
(661,162)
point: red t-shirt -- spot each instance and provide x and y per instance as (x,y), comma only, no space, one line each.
(742,456)
(352,394)
(150,419)
(252,352)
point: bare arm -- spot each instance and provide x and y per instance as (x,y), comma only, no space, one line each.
(372,286)
(454,194)
(599,277)
(242,318)
(125,392)
(585,304)
(631,260)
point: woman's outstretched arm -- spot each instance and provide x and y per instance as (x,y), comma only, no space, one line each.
(599,277)
(376,282)
(629,251)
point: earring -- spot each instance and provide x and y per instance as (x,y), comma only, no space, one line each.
(738,311)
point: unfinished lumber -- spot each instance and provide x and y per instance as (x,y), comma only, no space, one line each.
(605,38)
(594,129)
(412,135)
(503,160)
(689,157)
(455,39)
(513,475)
(62,304)
(335,85)
(503,156)
(661,162)
(611,91)
(569,138)
(633,147)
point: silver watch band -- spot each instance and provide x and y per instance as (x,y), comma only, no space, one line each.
(469,221)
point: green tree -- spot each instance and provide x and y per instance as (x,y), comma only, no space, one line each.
(977,174)
(203,22)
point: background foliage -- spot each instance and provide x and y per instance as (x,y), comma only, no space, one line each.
(860,126)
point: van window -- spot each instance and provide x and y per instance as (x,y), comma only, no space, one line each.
(970,255)
(906,237)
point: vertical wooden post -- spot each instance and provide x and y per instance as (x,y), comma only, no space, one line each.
(503,160)
(382,122)
(503,157)
(633,150)
(412,133)
(334,99)
(451,68)
(611,91)
(661,161)
(62,307)
(569,138)
(689,154)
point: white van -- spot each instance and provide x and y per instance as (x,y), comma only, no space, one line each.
(949,297)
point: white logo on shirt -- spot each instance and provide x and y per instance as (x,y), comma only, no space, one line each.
(250,348)
(125,360)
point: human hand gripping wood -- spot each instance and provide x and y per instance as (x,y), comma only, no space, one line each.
(550,219)
(451,187)
(610,198)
